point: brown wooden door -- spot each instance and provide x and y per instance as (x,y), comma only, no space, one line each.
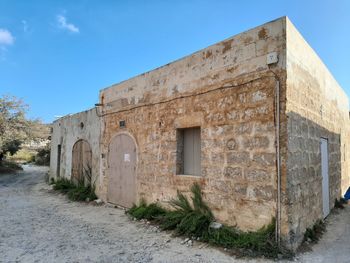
(81,161)
(122,171)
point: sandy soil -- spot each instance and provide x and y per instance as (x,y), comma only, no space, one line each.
(37,225)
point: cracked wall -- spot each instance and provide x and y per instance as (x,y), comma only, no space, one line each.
(66,132)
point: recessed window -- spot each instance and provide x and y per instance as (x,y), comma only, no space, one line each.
(122,124)
(188,158)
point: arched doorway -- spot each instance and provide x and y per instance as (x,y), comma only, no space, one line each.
(122,170)
(81,162)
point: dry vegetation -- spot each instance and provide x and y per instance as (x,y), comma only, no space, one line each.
(21,140)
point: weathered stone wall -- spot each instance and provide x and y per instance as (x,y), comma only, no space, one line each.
(237,150)
(67,131)
(238,159)
(316,107)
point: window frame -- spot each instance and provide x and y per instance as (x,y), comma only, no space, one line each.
(182,165)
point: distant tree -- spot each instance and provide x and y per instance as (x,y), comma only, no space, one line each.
(12,146)
(14,127)
(38,130)
(43,156)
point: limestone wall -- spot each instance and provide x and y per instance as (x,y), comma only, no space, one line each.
(66,132)
(316,107)
(237,150)
(228,90)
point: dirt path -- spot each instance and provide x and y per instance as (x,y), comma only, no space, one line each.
(334,246)
(39,226)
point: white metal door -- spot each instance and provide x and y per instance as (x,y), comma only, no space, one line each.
(325,177)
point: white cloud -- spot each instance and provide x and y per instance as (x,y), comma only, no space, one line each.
(62,23)
(6,37)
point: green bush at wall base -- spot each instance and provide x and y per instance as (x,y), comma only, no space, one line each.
(315,232)
(193,219)
(144,211)
(75,192)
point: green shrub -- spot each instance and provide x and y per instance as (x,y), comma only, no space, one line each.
(11,146)
(75,192)
(22,156)
(51,181)
(261,242)
(82,193)
(171,220)
(187,219)
(193,219)
(315,232)
(149,212)
(42,157)
(339,203)
(224,236)
(63,185)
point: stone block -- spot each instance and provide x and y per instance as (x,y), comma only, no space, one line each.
(212,171)
(258,96)
(238,158)
(221,186)
(259,175)
(268,159)
(233,172)
(240,190)
(260,142)
(231,144)
(243,128)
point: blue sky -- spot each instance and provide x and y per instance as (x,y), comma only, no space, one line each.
(57,55)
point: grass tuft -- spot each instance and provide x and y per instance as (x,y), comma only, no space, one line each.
(144,211)
(260,243)
(339,203)
(75,192)
(63,185)
(82,193)
(315,232)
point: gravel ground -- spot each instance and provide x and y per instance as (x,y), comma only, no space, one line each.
(38,225)
(334,246)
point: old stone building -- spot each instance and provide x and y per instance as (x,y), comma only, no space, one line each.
(256,119)
(75,146)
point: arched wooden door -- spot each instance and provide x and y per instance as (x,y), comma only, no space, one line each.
(81,161)
(122,171)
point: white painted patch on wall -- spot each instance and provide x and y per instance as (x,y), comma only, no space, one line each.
(126,157)
(272,58)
